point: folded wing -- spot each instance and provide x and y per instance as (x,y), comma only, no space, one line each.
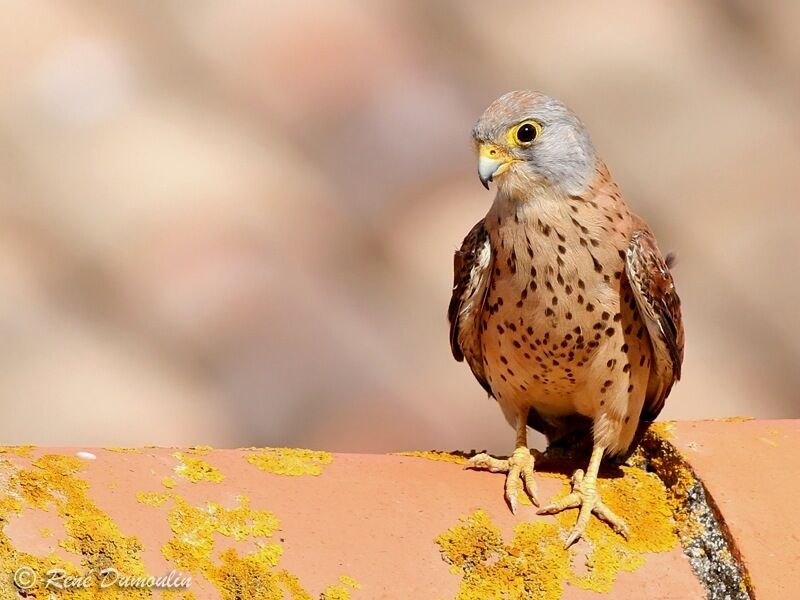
(472,270)
(660,310)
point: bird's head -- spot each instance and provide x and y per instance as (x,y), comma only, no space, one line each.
(527,138)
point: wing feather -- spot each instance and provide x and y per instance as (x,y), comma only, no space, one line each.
(660,309)
(472,270)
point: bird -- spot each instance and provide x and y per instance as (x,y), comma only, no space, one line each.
(563,306)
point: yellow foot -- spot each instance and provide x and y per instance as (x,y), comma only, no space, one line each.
(584,496)
(518,465)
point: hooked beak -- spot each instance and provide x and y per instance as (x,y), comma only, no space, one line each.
(492,162)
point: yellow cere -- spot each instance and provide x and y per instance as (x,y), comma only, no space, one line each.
(436,455)
(289,461)
(195,469)
(254,575)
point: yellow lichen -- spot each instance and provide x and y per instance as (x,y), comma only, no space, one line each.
(153,498)
(535,565)
(199,450)
(45,532)
(249,576)
(123,449)
(51,483)
(350,582)
(641,498)
(290,461)
(436,455)
(23,451)
(195,469)
(663,429)
(340,592)
(168,482)
(679,479)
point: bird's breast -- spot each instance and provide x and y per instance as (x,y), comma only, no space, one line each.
(551,304)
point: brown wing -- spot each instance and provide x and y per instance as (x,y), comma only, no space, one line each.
(660,309)
(472,269)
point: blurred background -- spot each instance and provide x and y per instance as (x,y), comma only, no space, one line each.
(232,223)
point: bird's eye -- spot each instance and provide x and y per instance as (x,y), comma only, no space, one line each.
(526,132)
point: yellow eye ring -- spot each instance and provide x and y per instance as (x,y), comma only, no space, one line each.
(523,134)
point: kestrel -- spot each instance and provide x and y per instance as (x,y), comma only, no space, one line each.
(563,306)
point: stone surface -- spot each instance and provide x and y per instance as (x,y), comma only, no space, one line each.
(750,469)
(320,519)
(370,517)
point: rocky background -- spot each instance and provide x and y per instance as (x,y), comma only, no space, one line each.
(233,222)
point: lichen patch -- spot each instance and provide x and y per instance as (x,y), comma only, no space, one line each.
(534,566)
(534,563)
(253,575)
(52,483)
(289,461)
(452,457)
(195,469)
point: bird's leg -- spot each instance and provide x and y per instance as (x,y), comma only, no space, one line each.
(585,496)
(518,465)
